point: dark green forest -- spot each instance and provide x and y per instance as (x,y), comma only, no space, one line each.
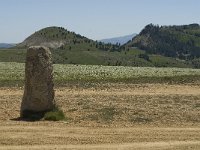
(181,42)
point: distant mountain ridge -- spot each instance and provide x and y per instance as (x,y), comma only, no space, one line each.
(6,45)
(155,46)
(121,40)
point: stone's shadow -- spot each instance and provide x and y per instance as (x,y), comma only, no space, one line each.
(24,119)
(16,119)
(31,116)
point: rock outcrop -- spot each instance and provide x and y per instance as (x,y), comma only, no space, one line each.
(38,95)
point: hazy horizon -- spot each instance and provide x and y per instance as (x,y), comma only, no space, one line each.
(94,19)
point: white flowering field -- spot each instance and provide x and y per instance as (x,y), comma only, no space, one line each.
(73,72)
(14,72)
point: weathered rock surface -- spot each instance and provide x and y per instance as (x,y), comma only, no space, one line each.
(38,95)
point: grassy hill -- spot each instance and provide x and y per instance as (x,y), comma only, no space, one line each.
(60,38)
(132,57)
(52,37)
(71,48)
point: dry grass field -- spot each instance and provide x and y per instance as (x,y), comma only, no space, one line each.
(108,116)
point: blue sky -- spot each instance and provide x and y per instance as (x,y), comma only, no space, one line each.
(95,19)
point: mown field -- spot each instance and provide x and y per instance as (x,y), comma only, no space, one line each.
(107,107)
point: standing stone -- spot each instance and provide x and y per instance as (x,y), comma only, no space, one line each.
(38,95)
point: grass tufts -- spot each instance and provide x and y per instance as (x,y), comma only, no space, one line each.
(55,115)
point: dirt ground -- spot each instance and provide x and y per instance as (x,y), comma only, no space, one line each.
(108,116)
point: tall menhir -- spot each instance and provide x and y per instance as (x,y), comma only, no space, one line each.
(38,95)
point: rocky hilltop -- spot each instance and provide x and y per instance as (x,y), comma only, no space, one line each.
(182,41)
